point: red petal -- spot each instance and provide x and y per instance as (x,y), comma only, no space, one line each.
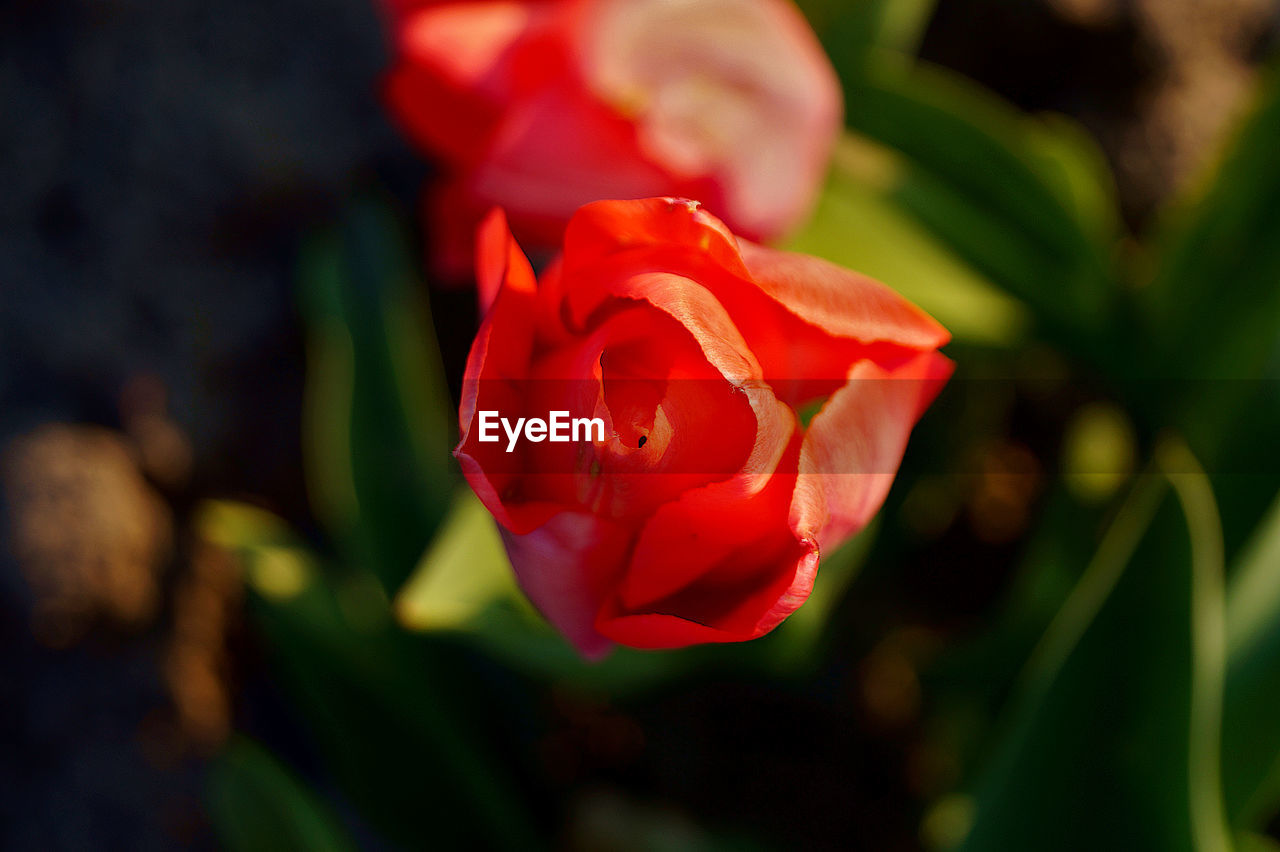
(686,301)
(806,321)
(853,446)
(558,150)
(741,90)
(454,223)
(417,97)
(654,380)
(497,257)
(706,527)
(564,567)
(607,227)
(498,362)
(765,427)
(467,42)
(719,564)
(752,612)
(839,301)
(459,66)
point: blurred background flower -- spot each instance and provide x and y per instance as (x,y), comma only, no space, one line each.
(543,106)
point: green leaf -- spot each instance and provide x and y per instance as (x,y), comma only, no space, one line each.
(974,679)
(849,30)
(377,426)
(1216,282)
(858,225)
(1249,842)
(1251,730)
(1114,733)
(1020,199)
(464,572)
(1072,165)
(395,718)
(255,803)
(1212,314)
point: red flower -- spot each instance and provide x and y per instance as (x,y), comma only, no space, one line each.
(700,513)
(541,106)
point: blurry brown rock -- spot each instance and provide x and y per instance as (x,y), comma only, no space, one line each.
(89,533)
(164,451)
(1087,13)
(1004,491)
(1164,113)
(888,681)
(1205,52)
(206,604)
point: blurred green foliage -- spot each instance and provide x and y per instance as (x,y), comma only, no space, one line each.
(258,804)
(1113,732)
(1016,198)
(402,749)
(1251,735)
(378,419)
(1123,693)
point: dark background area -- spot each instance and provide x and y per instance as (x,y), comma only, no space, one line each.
(159,165)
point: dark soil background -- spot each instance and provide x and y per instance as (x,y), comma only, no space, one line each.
(159,164)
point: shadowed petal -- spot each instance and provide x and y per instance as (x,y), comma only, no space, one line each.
(565,567)
(854,445)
